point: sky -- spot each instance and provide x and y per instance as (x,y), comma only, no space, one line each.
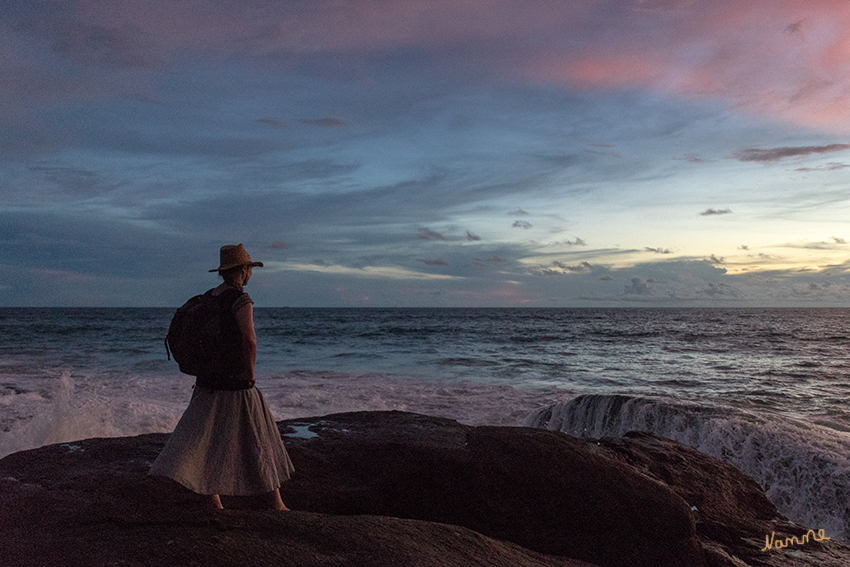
(426,153)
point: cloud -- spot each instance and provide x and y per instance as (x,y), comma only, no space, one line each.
(279,245)
(273,122)
(832,166)
(715,259)
(795,28)
(485,261)
(370,272)
(832,243)
(637,287)
(761,256)
(659,5)
(720,289)
(124,47)
(472,237)
(743,247)
(709,212)
(518,212)
(521,224)
(582,267)
(577,242)
(428,234)
(435,262)
(777,154)
(728,50)
(610,154)
(659,250)
(326,122)
(75,182)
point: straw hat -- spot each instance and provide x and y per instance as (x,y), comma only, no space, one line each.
(234,256)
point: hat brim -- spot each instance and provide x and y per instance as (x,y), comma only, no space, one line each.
(223,268)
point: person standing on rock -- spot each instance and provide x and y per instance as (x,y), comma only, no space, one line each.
(227,441)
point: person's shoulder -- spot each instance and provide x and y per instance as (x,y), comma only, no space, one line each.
(241,301)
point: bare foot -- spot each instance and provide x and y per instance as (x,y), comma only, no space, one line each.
(275,502)
(214,502)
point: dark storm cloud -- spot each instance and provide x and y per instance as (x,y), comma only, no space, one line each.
(709,212)
(777,154)
(521,224)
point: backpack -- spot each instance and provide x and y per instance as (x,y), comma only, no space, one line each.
(195,337)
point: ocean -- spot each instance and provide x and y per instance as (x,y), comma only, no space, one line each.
(766,390)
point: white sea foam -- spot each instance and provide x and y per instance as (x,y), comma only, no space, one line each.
(300,394)
(60,409)
(804,469)
(65,409)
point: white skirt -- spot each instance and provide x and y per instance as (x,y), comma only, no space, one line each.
(227,443)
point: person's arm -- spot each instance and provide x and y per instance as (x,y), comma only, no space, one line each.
(245,323)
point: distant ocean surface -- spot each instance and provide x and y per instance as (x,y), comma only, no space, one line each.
(764,389)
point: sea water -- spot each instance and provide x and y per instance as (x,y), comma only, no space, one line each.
(764,389)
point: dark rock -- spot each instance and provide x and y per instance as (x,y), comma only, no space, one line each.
(543,490)
(393,488)
(91,503)
(733,514)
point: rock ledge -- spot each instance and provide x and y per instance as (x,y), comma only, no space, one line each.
(402,489)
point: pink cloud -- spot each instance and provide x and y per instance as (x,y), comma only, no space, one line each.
(780,58)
